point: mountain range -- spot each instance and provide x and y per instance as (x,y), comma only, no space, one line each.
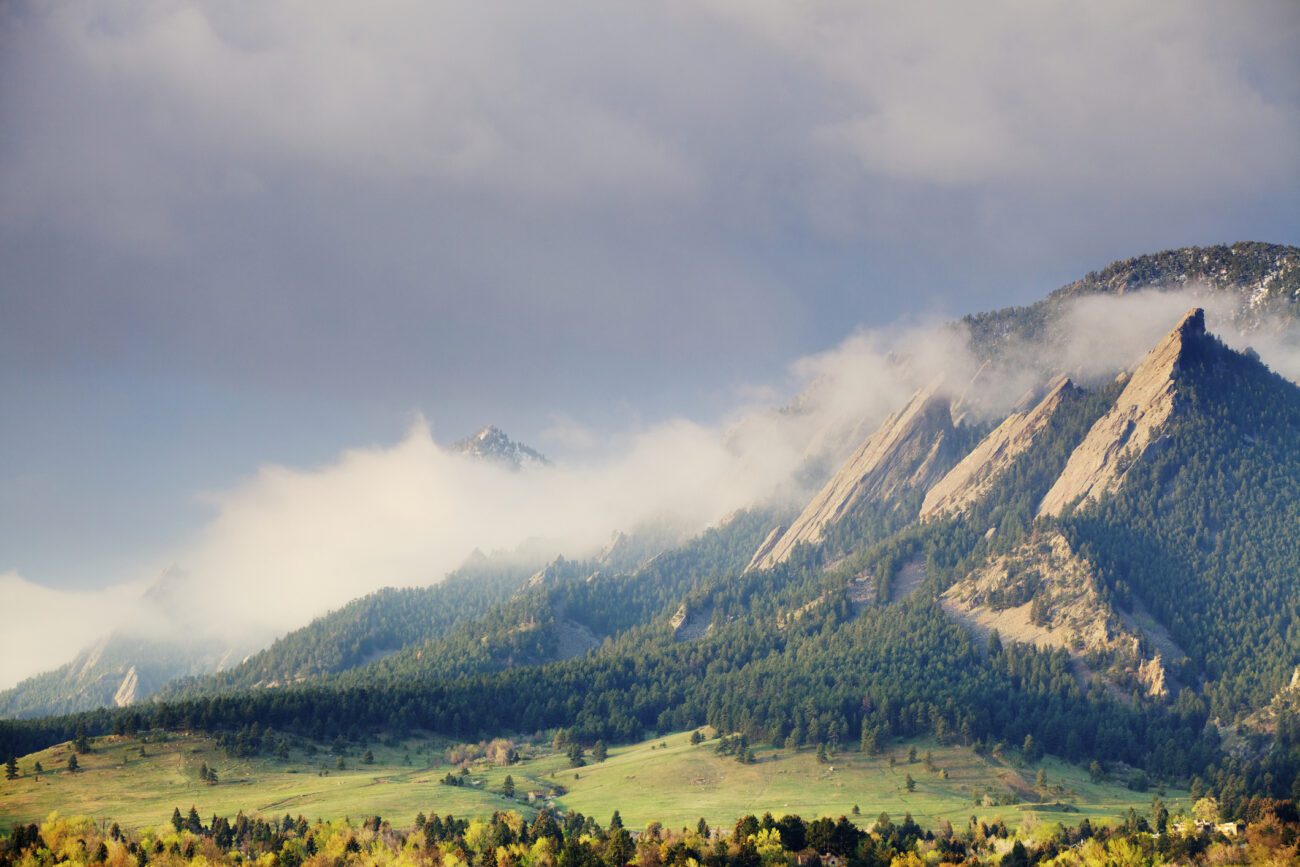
(1110,570)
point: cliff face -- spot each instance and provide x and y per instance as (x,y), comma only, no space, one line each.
(911,450)
(1120,437)
(975,474)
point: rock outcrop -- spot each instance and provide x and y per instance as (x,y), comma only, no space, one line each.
(126,691)
(1122,435)
(1043,593)
(975,474)
(691,622)
(912,450)
(765,549)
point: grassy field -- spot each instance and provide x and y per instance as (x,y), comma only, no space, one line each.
(665,779)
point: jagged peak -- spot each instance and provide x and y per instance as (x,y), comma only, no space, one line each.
(492,443)
(1097,466)
(975,474)
(911,450)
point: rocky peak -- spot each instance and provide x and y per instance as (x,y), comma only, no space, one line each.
(975,474)
(1097,466)
(492,444)
(911,450)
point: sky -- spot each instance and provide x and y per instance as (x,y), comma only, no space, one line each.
(250,238)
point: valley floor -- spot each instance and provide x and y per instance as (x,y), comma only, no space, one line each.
(668,780)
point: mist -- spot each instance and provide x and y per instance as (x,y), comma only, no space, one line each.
(288,543)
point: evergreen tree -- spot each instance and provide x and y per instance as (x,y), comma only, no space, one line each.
(73,764)
(599,752)
(177,821)
(508,787)
(368,758)
(620,849)
(910,783)
(11,768)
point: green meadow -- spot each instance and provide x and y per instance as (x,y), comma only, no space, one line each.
(667,779)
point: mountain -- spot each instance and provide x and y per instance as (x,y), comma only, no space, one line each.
(491,444)
(370,628)
(1261,280)
(912,450)
(976,473)
(126,666)
(116,671)
(1134,424)
(1107,572)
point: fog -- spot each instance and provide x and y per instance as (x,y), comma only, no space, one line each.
(288,543)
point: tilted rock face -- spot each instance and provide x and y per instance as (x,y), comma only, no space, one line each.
(911,450)
(765,549)
(975,474)
(126,691)
(1121,436)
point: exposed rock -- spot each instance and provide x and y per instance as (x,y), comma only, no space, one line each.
(1285,703)
(975,474)
(691,622)
(1122,435)
(769,542)
(544,577)
(911,450)
(126,691)
(907,579)
(573,639)
(1043,593)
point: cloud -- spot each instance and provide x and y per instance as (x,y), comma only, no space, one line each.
(44,627)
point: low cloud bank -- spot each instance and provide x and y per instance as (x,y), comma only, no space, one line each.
(287,543)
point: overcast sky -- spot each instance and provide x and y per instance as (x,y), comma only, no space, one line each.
(244,233)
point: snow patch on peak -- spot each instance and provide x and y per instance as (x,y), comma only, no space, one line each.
(492,444)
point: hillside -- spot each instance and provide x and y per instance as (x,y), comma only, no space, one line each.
(370,628)
(116,671)
(1263,280)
